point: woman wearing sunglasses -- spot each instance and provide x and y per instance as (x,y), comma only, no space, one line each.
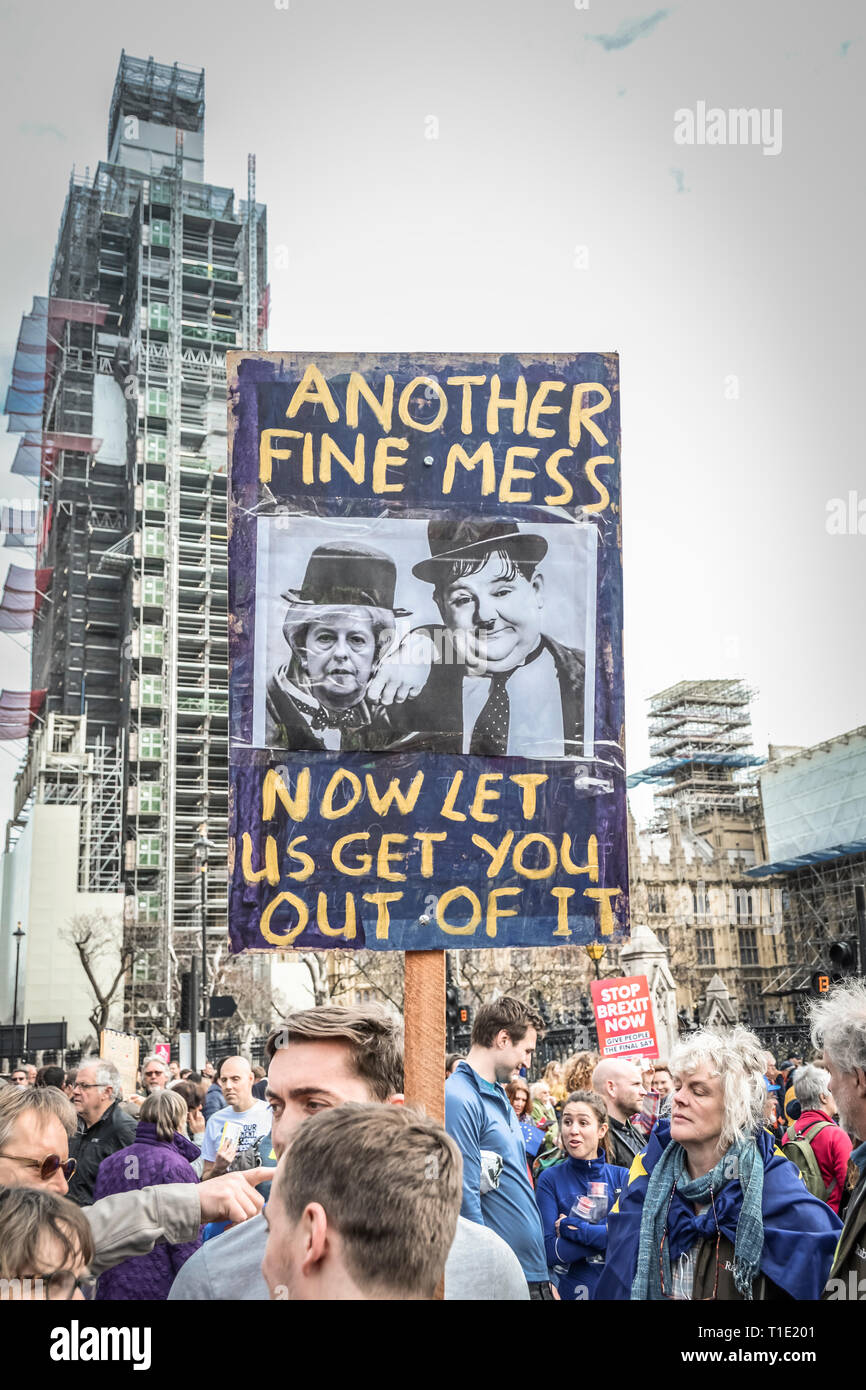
(712,1209)
(45,1247)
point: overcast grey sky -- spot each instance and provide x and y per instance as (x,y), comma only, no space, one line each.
(553,211)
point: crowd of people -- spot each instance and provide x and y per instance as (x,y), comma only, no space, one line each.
(716,1174)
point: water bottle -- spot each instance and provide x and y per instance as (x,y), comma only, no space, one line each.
(599,1199)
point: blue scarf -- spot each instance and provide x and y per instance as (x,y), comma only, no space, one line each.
(742,1162)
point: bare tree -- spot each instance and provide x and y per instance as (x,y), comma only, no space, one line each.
(556,975)
(374,972)
(255,1008)
(320,981)
(96,935)
(334,975)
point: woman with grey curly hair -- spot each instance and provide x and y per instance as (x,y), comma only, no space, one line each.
(712,1209)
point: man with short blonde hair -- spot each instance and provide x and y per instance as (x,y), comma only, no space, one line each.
(355,1190)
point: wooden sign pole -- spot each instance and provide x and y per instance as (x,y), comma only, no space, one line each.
(424,1015)
(424,1047)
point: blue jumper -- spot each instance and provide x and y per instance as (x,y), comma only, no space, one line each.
(557,1190)
(479,1115)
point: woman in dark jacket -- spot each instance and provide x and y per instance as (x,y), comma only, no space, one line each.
(575,1195)
(159,1154)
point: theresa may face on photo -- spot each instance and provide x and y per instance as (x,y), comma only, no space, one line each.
(338,651)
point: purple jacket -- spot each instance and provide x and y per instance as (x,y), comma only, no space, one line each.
(145,1163)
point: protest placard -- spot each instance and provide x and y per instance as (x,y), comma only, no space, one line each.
(425,645)
(122,1050)
(624,1017)
(426,705)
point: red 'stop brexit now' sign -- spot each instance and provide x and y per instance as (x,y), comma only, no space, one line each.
(624,1017)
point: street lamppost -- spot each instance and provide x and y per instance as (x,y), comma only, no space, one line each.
(203,847)
(19,937)
(595,950)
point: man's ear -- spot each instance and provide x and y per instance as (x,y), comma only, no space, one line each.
(314,1237)
(397,1098)
(537,582)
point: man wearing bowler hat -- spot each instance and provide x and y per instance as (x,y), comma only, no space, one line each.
(498,686)
(337,625)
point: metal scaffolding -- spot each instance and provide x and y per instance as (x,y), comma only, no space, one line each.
(701,735)
(129,440)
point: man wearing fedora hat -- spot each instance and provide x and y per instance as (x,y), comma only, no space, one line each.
(337,625)
(501,686)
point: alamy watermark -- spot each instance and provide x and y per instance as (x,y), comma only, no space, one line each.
(737,126)
(22,1290)
(846,516)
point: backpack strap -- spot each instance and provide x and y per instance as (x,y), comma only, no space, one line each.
(809,1135)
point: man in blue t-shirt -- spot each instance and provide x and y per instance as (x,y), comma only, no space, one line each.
(481,1120)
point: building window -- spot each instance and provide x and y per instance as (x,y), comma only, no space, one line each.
(664,936)
(753,1002)
(656,900)
(149,798)
(152,639)
(748,948)
(154,496)
(148,852)
(706,947)
(148,911)
(153,590)
(151,691)
(154,543)
(158,317)
(62,742)
(155,449)
(700,899)
(743,905)
(150,744)
(160,231)
(156,401)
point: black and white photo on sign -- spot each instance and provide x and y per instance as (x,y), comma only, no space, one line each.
(454,635)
